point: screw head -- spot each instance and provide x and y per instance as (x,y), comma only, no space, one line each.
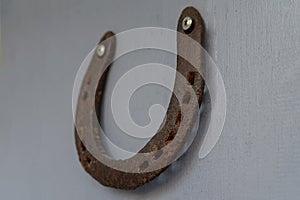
(101,50)
(187,23)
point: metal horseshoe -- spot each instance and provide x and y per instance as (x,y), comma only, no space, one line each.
(91,92)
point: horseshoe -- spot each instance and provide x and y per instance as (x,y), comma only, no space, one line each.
(166,144)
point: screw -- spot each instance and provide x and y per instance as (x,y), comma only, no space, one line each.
(187,23)
(101,50)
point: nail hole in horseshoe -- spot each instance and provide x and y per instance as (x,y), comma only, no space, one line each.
(88,160)
(191,77)
(171,137)
(178,119)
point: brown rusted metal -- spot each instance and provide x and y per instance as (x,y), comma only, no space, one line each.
(106,174)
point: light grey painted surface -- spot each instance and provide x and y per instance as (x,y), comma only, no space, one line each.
(256,45)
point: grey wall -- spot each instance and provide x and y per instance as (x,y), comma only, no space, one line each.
(256,45)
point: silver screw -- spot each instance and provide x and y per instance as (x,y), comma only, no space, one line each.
(187,23)
(101,50)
